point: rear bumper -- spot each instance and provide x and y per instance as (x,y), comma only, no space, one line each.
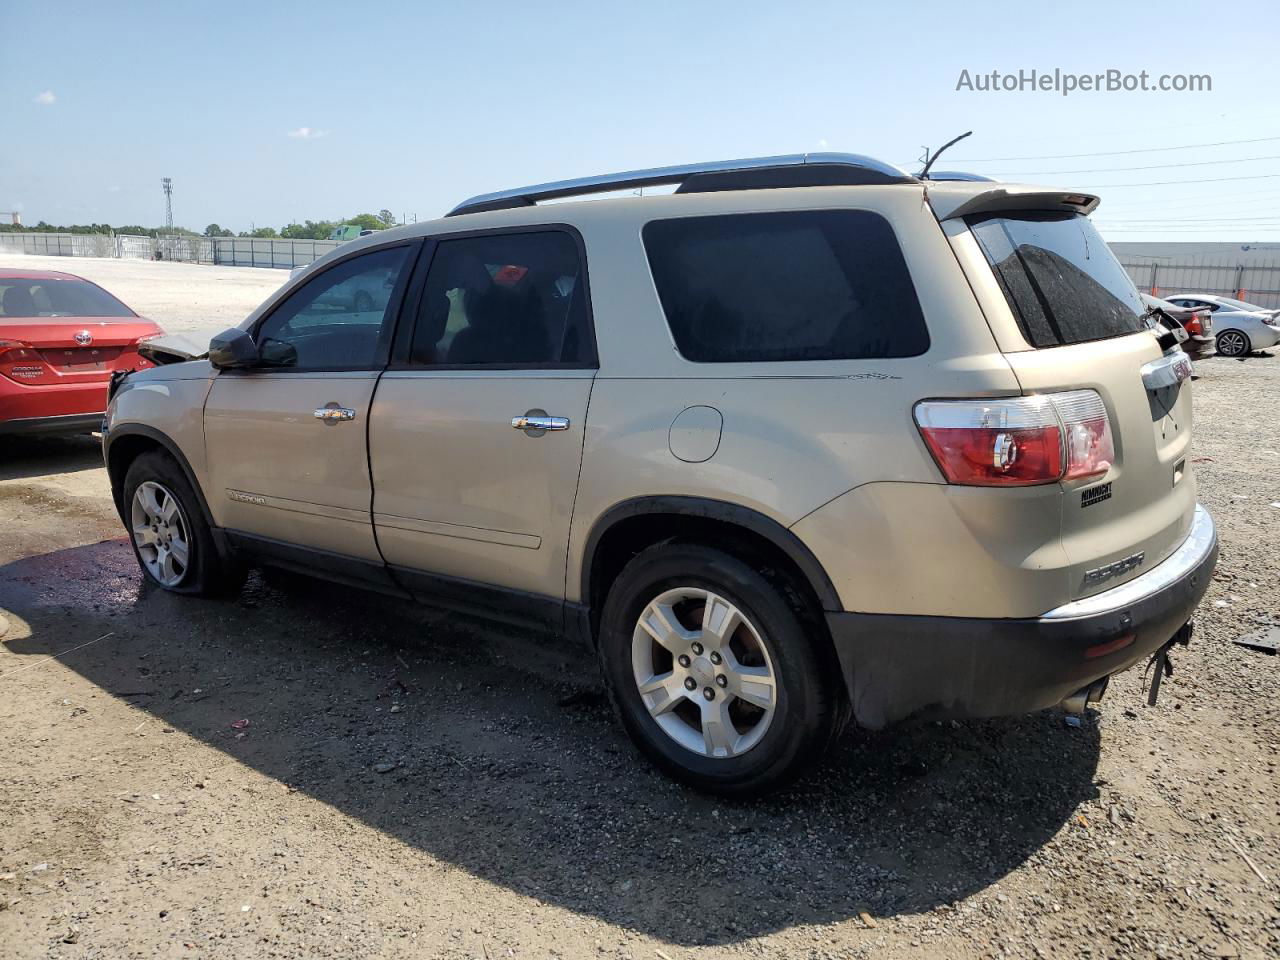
(22,401)
(899,667)
(1199,348)
(75,423)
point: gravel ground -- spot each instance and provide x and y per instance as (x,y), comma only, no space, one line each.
(190,298)
(183,777)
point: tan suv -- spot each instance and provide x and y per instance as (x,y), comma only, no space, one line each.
(807,439)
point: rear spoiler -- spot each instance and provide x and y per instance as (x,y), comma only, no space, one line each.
(952,199)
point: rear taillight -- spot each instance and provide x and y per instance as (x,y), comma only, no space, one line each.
(1018,441)
(22,362)
(1192,323)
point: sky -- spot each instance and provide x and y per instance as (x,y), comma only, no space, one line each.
(270,112)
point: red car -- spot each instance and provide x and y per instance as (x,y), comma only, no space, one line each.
(61,338)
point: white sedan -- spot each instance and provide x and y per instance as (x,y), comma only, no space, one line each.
(1240,327)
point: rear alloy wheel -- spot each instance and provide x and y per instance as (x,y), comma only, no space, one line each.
(703,672)
(1233,343)
(715,669)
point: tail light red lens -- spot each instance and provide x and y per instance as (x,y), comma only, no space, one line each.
(1192,323)
(1018,441)
(21,362)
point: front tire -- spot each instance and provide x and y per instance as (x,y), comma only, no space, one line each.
(1234,343)
(712,671)
(171,539)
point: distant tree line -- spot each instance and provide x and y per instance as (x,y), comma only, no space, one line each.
(91,228)
(308,230)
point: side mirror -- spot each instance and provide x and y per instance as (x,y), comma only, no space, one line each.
(233,349)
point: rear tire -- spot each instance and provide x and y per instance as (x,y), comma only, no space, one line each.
(171,539)
(734,700)
(1233,343)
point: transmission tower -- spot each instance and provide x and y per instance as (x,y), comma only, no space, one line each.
(167,182)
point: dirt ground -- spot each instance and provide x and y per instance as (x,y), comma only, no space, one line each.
(195,778)
(189,298)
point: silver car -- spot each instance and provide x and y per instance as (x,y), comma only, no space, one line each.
(1240,327)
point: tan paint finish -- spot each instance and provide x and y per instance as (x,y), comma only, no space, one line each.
(1148,511)
(459,492)
(308,480)
(828,449)
(172,404)
(796,435)
(936,550)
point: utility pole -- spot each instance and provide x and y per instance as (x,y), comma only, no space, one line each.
(167,183)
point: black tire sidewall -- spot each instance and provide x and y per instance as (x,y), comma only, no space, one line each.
(204,573)
(806,711)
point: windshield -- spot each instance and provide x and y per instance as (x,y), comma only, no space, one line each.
(52,297)
(1060,278)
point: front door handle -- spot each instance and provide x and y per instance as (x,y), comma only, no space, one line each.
(532,424)
(334,413)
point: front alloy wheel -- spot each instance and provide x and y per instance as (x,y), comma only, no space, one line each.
(703,672)
(161,533)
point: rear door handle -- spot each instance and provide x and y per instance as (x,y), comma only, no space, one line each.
(529,423)
(333,413)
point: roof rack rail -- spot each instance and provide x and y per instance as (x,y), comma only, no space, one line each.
(752,173)
(958,175)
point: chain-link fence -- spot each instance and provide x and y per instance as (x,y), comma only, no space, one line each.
(62,244)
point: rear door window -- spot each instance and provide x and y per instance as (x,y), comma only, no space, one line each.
(516,300)
(802,285)
(1061,280)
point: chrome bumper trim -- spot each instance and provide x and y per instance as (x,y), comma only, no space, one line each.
(1187,557)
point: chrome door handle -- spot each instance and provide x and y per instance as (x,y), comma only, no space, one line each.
(540,423)
(332,413)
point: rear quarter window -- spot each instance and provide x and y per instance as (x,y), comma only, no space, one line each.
(796,285)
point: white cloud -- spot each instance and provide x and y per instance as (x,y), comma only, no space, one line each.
(46,98)
(308,133)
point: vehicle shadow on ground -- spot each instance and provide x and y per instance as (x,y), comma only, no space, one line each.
(40,456)
(508,763)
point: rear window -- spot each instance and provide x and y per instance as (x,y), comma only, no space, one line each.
(1060,278)
(20,297)
(803,285)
